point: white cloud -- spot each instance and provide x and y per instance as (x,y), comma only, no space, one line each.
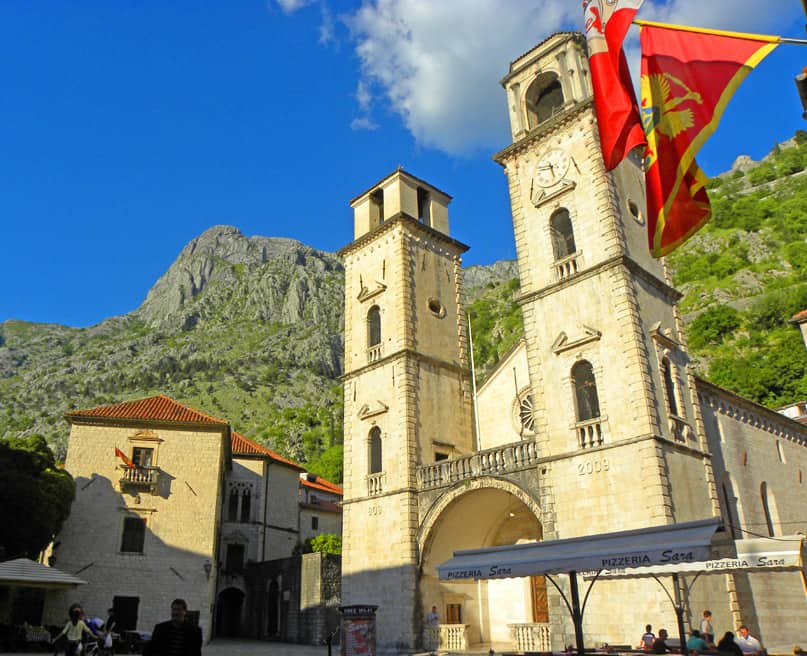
(438,64)
(290,6)
(363,123)
(326,26)
(363,95)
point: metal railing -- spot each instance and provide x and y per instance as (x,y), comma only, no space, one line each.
(498,460)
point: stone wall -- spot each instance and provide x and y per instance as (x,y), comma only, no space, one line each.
(182,521)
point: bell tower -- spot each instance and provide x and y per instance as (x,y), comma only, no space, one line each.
(407,388)
(612,384)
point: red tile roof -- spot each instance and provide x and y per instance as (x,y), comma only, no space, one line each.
(321,484)
(799,317)
(326,506)
(245,446)
(154,408)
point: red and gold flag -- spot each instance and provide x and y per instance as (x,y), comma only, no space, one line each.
(606,24)
(688,78)
(126,461)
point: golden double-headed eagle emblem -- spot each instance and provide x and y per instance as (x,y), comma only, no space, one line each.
(663,114)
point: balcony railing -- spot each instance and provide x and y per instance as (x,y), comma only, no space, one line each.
(680,429)
(499,460)
(589,433)
(374,354)
(375,484)
(531,637)
(454,637)
(566,266)
(140,477)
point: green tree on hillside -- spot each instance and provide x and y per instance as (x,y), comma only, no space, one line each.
(35,496)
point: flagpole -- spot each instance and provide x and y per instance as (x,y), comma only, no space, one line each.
(737,35)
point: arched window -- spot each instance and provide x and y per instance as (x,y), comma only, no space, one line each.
(544,98)
(232,508)
(374,326)
(246,503)
(585,391)
(375,450)
(769,508)
(669,386)
(730,506)
(562,234)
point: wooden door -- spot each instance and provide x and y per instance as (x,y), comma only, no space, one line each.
(540,608)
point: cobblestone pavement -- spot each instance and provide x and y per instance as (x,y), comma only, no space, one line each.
(223,647)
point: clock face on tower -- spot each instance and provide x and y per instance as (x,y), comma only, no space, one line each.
(551,167)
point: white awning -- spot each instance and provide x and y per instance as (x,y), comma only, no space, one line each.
(778,554)
(23,572)
(657,545)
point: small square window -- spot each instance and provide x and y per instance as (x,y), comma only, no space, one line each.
(134,535)
(440,456)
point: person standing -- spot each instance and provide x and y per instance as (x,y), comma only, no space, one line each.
(432,632)
(176,637)
(707,630)
(74,630)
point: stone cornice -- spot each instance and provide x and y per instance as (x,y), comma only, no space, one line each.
(404,353)
(542,130)
(149,423)
(409,222)
(747,411)
(634,267)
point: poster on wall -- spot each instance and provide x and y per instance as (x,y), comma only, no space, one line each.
(358,630)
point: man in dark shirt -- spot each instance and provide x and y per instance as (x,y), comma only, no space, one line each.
(660,645)
(175,637)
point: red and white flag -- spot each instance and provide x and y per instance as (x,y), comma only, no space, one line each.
(620,127)
(120,454)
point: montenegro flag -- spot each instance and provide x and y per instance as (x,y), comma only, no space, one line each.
(688,78)
(606,24)
(126,461)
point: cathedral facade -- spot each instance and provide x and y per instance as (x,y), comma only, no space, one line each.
(594,423)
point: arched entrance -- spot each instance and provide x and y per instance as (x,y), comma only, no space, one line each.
(228,613)
(494,515)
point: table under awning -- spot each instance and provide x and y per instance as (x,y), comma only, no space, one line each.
(670,544)
(774,554)
(25,573)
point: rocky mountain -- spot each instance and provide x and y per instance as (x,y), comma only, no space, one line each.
(240,327)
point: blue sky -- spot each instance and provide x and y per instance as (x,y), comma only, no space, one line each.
(127,128)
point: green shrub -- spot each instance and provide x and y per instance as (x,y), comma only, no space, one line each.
(713,325)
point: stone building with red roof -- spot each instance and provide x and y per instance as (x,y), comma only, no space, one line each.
(172,502)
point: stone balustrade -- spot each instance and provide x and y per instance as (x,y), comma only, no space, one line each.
(374,353)
(590,433)
(490,462)
(139,477)
(375,484)
(454,637)
(567,266)
(531,637)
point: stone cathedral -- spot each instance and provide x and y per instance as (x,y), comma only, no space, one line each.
(594,423)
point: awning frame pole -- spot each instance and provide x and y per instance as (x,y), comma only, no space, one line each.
(577,614)
(677,605)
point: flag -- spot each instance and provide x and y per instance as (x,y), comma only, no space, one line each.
(120,454)
(688,78)
(606,24)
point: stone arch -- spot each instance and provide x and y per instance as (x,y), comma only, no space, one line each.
(461,489)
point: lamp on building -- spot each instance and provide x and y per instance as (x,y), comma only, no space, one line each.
(207,567)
